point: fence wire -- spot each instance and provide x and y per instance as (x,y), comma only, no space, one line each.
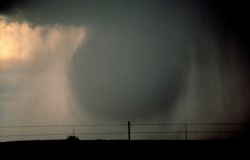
(134,131)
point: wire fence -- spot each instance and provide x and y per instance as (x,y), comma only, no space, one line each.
(125,131)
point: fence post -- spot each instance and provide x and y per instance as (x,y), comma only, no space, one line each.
(128,130)
(186,132)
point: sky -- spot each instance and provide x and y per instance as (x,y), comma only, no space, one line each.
(92,61)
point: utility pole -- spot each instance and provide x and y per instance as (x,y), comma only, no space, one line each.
(73,130)
(129,130)
(186,132)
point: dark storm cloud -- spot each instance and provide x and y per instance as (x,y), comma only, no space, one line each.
(136,57)
(132,66)
(133,63)
(233,16)
(7,6)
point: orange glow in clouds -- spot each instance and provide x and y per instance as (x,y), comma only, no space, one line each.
(12,45)
(20,42)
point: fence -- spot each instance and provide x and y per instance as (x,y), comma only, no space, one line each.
(130,131)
